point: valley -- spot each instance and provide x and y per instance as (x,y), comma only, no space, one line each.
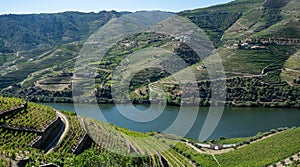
(70,81)
(20,145)
(248,56)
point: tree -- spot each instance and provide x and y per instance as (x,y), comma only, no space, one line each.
(169,99)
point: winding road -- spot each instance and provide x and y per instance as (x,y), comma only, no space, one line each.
(62,135)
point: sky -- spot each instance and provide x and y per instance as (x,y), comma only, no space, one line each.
(55,6)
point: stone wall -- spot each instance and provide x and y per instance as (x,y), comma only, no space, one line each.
(13,111)
(19,163)
(84,144)
(49,134)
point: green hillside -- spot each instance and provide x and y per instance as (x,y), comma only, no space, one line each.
(217,19)
(24,32)
(257,41)
(109,145)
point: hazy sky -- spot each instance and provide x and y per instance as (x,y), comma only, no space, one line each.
(53,6)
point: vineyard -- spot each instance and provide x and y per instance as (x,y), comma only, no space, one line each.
(19,130)
(35,117)
(9,103)
(194,156)
(14,145)
(122,147)
(107,137)
(265,152)
(74,135)
(156,147)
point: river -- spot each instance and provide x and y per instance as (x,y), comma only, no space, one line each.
(235,122)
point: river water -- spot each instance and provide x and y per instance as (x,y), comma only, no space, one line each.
(235,122)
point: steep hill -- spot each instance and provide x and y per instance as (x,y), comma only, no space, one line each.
(24,143)
(25,32)
(257,41)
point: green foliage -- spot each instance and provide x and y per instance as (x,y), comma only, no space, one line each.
(36,117)
(265,152)
(40,61)
(259,93)
(24,32)
(73,137)
(154,146)
(214,23)
(275,3)
(92,157)
(270,16)
(231,140)
(201,159)
(235,21)
(9,103)
(2,59)
(15,143)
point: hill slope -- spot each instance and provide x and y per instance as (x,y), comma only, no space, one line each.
(25,32)
(257,41)
(106,144)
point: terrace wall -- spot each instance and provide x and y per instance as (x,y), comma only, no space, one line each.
(13,111)
(84,144)
(49,134)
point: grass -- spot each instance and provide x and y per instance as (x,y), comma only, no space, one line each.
(265,152)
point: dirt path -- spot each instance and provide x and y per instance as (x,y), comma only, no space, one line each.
(67,126)
(263,73)
(66,129)
(205,152)
(291,70)
(216,160)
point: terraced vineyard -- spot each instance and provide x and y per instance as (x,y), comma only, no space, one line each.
(257,42)
(265,152)
(9,103)
(107,137)
(194,156)
(123,141)
(154,149)
(73,137)
(35,117)
(14,144)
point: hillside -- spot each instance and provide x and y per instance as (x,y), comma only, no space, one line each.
(25,32)
(33,135)
(257,41)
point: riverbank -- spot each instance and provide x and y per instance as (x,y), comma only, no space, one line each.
(146,102)
(235,121)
